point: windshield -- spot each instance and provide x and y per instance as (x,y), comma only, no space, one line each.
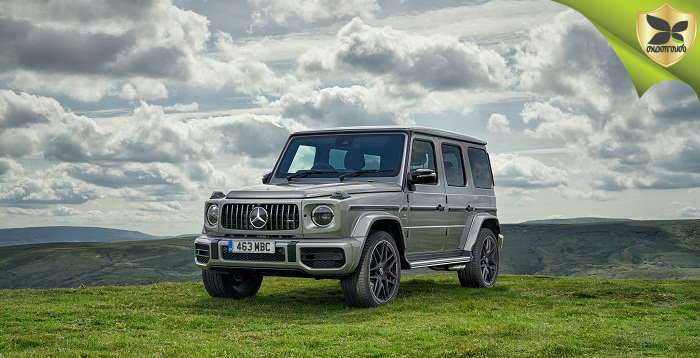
(333,155)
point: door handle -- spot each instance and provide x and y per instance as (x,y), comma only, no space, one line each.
(440,208)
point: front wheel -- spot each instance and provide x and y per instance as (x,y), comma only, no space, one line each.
(234,285)
(378,274)
(482,271)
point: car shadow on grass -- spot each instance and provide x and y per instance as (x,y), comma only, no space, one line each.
(314,303)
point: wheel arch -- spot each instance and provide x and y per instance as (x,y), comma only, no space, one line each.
(482,220)
(385,222)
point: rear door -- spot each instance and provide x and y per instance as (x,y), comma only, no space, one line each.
(459,212)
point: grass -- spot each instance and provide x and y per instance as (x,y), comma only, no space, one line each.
(433,316)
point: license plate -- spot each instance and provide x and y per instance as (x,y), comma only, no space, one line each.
(252,246)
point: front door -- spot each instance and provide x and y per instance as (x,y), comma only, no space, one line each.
(426,231)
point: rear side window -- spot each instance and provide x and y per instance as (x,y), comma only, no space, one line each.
(480,167)
(452,160)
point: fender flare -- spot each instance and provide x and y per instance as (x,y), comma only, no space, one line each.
(477,223)
(365,221)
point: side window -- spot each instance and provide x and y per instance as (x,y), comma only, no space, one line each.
(303,159)
(481,168)
(423,155)
(452,161)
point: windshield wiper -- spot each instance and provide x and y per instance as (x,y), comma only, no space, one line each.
(364,171)
(309,172)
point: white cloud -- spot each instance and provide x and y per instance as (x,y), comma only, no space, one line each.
(513,170)
(435,62)
(689,212)
(283,11)
(10,168)
(181,107)
(498,123)
(143,88)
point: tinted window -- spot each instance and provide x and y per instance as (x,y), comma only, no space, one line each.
(452,161)
(481,168)
(343,153)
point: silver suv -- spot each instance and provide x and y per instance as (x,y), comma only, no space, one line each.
(360,205)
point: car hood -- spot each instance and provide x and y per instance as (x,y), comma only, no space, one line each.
(300,191)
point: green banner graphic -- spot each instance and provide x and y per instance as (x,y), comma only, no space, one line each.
(655,39)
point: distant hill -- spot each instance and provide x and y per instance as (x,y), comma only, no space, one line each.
(98,263)
(668,249)
(585,220)
(630,249)
(49,234)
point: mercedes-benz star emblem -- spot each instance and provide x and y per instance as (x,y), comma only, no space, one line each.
(258,217)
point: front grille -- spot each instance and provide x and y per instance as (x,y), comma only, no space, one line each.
(280,216)
(239,256)
(201,253)
(323,257)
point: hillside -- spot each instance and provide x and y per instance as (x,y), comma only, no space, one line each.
(635,249)
(99,263)
(584,220)
(632,249)
(432,316)
(48,234)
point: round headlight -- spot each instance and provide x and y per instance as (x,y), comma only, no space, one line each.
(213,214)
(322,215)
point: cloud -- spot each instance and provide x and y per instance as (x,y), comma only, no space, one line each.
(590,105)
(435,62)
(147,136)
(689,212)
(134,50)
(335,106)
(513,170)
(181,107)
(147,156)
(498,123)
(555,123)
(283,11)
(9,167)
(48,187)
(143,88)
(57,211)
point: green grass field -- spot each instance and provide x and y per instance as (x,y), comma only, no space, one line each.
(433,316)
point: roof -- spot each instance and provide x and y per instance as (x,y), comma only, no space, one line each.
(397,128)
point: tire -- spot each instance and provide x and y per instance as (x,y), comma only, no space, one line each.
(377,277)
(482,271)
(231,285)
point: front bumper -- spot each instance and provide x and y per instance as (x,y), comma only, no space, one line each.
(292,256)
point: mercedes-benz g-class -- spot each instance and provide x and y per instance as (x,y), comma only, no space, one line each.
(360,205)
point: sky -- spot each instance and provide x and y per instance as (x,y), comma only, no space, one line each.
(128,114)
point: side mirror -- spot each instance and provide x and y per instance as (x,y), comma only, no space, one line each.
(266,177)
(423,176)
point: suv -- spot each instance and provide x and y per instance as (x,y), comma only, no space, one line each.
(357,204)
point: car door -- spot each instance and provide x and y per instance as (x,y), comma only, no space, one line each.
(460,213)
(426,204)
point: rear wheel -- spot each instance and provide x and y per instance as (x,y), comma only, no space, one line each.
(378,274)
(234,285)
(482,271)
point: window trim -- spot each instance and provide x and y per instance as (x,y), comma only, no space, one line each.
(461,158)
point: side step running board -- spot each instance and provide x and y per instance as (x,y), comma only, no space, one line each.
(441,262)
